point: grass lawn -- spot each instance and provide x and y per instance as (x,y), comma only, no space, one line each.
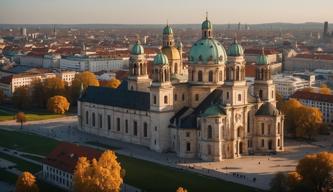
(102,145)
(9,114)
(39,159)
(7,177)
(154,177)
(22,165)
(142,174)
(27,142)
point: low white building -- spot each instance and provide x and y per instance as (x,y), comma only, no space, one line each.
(286,85)
(93,64)
(9,84)
(59,165)
(318,100)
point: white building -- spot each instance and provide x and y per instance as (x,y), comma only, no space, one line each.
(318,100)
(286,85)
(8,84)
(210,116)
(93,64)
(59,165)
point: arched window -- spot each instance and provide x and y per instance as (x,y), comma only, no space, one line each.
(262,128)
(165,99)
(210,76)
(188,146)
(272,94)
(183,97)
(141,69)
(209,150)
(237,73)
(220,76)
(200,76)
(175,97)
(192,75)
(260,94)
(279,128)
(209,132)
(239,97)
(176,68)
(231,71)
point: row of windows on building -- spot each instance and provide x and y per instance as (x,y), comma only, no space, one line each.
(118,124)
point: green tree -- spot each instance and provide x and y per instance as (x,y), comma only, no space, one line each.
(38,95)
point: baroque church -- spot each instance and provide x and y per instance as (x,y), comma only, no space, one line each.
(201,107)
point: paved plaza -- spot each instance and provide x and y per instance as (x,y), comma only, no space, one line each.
(255,171)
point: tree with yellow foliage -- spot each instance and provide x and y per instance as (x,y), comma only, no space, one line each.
(308,121)
(103,175)
(58,104)
(289,108)
(324,89)
(20,118)
(181,189)
(314,172)
(85,79)
(113,83)
(26,183)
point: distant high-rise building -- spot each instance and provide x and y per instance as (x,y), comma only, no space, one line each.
(239,26)
(325,34)
(24,31)
(54,31)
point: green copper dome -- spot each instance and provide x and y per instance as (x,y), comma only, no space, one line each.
(235,49)
(137,49)
(167,30)
(206,50)
(161,59)
(262,59)
(213,111)
(206,24)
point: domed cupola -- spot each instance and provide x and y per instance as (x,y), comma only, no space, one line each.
(235,49)
(137,49)
(207,28)
(167,30)
(161,59)
(207,51)
(262,59)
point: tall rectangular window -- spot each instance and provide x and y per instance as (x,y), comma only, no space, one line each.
(262,128)
(126,126)
(100,120)
(109,122)
(87,117)
(154,98)
(188,147)
(118,124)
(145,129)
(135,128)
(93,119)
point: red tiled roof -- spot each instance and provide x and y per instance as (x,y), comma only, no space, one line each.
(250,70)
(259,51)
(313,96)
(66,155)
(310,56)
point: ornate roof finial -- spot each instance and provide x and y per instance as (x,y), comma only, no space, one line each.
(235,38)
(206,15)
(167,22)
(263,50)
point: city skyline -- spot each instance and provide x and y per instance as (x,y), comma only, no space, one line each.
(176,12)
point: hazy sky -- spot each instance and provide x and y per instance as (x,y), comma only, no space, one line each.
(158,11)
